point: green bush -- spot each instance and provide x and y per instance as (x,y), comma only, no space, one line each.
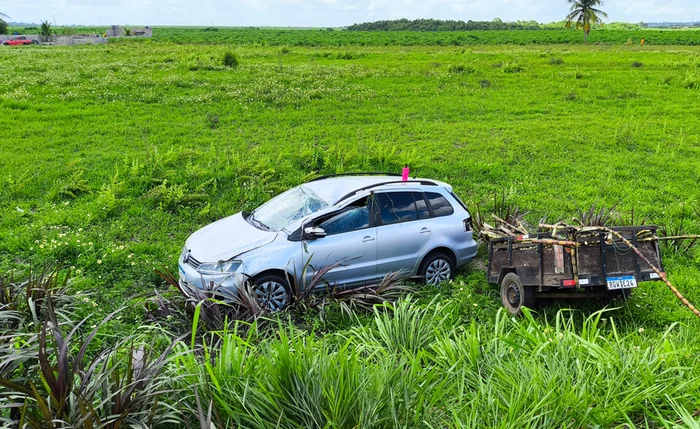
(556,61)
(461,69)
(512,68)
(230,60)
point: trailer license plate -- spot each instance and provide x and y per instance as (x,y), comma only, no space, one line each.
(623,282)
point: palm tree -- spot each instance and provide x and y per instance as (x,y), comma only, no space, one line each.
(45,31)
(3,24)
(584,13)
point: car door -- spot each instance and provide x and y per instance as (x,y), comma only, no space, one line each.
(403,230)
(349,247)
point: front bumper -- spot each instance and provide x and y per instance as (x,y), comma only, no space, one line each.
(192,279)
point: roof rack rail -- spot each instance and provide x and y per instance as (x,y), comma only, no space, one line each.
(364,188)
(368,173)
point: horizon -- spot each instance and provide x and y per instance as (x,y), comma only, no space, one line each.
(291,27)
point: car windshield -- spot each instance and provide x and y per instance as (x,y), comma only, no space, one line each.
(284,209)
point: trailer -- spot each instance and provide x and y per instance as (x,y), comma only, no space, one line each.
(573,262)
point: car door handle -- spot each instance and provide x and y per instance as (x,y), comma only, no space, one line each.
(367,238)
(424,230)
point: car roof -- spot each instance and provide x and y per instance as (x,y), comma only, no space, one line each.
(334,188)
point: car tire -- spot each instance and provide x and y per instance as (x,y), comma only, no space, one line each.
(515,296)
(437,268)
(272,292)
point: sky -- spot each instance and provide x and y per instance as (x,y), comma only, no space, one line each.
(325,13)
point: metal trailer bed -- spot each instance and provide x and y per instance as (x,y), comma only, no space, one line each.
(594,263)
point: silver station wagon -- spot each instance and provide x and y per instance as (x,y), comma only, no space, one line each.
(364,226)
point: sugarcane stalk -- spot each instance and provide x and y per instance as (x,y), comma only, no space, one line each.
(660,273)
(545,241)
(675,237)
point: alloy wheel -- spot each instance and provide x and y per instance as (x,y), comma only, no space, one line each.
(437,272)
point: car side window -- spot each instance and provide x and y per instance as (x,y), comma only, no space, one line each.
(353,217)
(395,207)
(439,204)
(421,205)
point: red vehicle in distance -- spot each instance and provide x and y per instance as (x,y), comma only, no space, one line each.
(19,41)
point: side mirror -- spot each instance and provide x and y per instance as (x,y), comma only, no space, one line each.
(312,233)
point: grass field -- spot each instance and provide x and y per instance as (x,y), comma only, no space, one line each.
(607,35)
(320,38)
(112,155)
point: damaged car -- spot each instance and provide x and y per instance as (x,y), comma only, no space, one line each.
(363,226)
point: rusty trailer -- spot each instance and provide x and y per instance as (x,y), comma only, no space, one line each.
(576,263)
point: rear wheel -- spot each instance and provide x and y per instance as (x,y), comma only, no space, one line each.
(272,292)
(515,296)
(437,268)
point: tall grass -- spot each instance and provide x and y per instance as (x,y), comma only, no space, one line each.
(411,369)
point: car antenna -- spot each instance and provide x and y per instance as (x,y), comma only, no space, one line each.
(404,173)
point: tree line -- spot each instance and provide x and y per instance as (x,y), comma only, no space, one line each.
(440,25)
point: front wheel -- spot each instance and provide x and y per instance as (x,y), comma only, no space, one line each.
(437,268)
(272,292)
(515,296)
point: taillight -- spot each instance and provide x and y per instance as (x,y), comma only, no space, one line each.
(468,224)
(569,283)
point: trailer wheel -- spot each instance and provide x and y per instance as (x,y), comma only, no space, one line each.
(515,296)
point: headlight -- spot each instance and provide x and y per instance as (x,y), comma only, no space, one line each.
(219,267)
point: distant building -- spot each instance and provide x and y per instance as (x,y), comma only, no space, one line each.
(118,31)
(115,31)
(142,32)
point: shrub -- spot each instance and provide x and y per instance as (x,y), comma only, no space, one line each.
(556,61)
(230,60)
(461,69)
(512,68)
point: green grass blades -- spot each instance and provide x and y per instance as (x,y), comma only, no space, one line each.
(575,372)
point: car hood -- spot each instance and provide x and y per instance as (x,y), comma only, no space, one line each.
(226,238)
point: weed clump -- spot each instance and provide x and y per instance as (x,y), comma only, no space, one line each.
(637,64)
(571,96)
(213,121)
(230,60)
(485,83)
(691,81)
(461,69)
(556,61)
(512,68)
